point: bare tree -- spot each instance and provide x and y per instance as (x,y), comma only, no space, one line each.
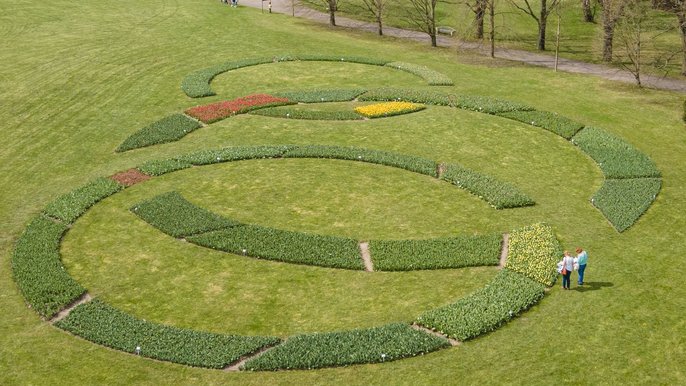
(422,14)
(612,11)
(630,32)
(541,17)
(376,8)
(589,12)
(678,7)
(479,8)
(491,15)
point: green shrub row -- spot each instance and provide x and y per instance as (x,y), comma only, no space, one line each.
(100,323)
(372,345)
(411,163)
(38,270)
(433,78)
(483,311)
(623,201)
(167,129)
(72,205)
(286,246)
(319,96)
(160,167)
(498,194)
(293,112)
(615,157)
(448,252)
(228,154)
(534,252)
(489,105)
(175,216)
(564,127)
(431,97)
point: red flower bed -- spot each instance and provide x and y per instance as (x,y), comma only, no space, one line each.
(220,110)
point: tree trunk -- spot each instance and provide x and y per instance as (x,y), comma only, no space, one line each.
(380,24)
(542,23)
(332,12)
(588,12)
(681,15)
(608,36)
(491,14)
(479,14)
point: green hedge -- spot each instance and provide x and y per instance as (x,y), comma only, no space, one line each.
(623,201)
(175,216)
(100,323)
(534,252)
(411,163)
(71,206)
(430,97)
(489,105)
(564,127)
(38,270)
(167,129)
(433,78)
(448,252)
(486,309)
(293,112)
(615,157)
(372,345)
(319,96)
(206,157)
(286,246)
(498,194)
(160,167)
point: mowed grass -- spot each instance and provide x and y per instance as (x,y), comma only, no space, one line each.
(77,79)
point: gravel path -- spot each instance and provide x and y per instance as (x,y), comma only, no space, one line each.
(532,58)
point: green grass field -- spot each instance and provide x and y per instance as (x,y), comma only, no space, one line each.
(76,79)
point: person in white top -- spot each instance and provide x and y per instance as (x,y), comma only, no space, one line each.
(567,268)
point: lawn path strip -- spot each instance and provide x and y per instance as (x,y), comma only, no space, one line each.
(236,366)
(453,342)
(503,253)
(85,298)
(366,257)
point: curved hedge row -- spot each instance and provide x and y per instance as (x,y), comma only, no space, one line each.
(623,201)
(168,129)
(293,112)
(101,323)
(498,194)
(321,96)
(68,207)
(483,311)
(344,348)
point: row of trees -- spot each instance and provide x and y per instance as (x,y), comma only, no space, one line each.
(621,19)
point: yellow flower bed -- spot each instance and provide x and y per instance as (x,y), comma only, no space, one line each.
(388,109)
(534,252)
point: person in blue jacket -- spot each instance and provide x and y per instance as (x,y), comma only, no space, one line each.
(582,257)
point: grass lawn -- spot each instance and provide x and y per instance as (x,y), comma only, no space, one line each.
(78,78)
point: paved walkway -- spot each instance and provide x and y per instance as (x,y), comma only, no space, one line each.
(532,58)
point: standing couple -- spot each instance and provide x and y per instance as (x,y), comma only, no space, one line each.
(569,263)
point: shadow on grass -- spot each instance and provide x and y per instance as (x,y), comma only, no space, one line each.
(593,286)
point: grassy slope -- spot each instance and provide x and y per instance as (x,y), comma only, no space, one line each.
(78,78)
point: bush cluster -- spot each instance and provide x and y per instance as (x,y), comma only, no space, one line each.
(486,309)
(433,78)
(175,216)
(72,205)
(294,112)
(564,127)
(372,345)
(101,323)
(282,245)
(440,253)
(534,251)
(615,157)
(498,194)
(160,167)
(623,201)
(167,129)
(38,270)
(320,96)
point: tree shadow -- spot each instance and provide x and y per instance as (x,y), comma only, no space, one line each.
(593,286)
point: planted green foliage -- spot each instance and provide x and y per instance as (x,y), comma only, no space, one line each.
(175,216)
(534,251)
(296,112)
(623,201)
(38,271)
(431,97)
(206,157)
(71,206)
(484,310)
(320,96)
(489,105)
(100,323)
(433,78)
(372,345)
(411,163)
(615,157)
(448,252)
(286,246)
(564,127)
(498,194)
(160,167)
(167,129)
